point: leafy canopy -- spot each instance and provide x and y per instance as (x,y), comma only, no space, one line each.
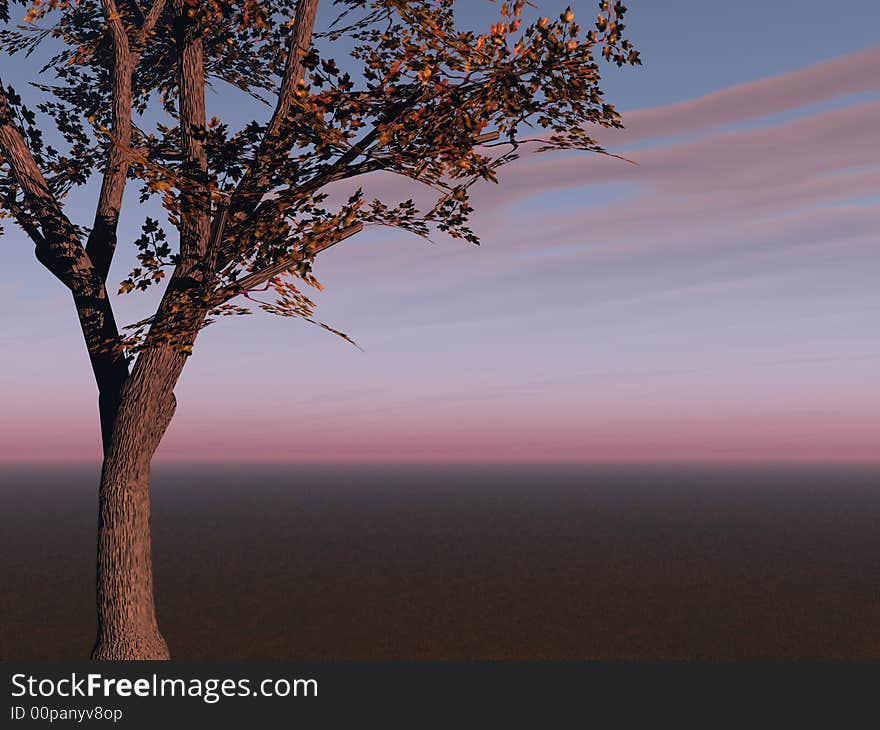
(418,97)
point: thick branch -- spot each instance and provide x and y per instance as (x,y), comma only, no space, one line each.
(27,223)
(195,203)
(150,388)
(63,254)
(184,305)
(151,18)
(148,395)
(102,239)
(59,249)
(114,22)
(294,71)
(253,184)
(144,24)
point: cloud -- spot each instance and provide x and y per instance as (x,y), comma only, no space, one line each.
(734,164)
(841,77)
(850,74)
(771,186)
(756,193)
(727,244)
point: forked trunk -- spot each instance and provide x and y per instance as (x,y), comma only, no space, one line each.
(127,627)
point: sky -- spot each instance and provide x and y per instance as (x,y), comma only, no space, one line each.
(718,301)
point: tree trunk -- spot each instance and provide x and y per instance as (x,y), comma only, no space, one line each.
(127,627)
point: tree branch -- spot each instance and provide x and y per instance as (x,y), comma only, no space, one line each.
(342,169)
(294,71)
(64,255)
(182,309)
(151,18)
(102,239)
(247,196)
(252,185)
(59,249)
(195,204)
(255,279)
(27,223)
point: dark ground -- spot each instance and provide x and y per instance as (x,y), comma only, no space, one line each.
(464,562)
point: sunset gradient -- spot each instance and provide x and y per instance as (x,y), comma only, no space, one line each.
(717,301)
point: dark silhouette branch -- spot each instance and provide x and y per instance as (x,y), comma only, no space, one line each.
(136,11)
(255,279)
(58,248)
(27,223)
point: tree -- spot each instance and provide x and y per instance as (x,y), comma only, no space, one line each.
(123,92)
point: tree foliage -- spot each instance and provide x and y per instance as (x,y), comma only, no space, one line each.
(248,206)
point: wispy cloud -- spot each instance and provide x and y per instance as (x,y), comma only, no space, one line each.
(746,234)
(778,185)
(848,75)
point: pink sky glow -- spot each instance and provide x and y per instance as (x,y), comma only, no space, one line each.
(718,301)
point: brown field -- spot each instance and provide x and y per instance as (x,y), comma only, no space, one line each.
(464,562)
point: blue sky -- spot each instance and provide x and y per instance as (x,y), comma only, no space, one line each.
(717,302)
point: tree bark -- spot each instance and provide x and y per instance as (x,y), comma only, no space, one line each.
(127,626)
